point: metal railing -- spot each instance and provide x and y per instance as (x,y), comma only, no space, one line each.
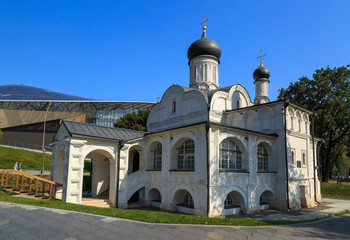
(28,146)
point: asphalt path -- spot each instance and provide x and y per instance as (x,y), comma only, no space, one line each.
(29,222)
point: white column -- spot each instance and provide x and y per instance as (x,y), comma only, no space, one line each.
(74,166)
(253,198)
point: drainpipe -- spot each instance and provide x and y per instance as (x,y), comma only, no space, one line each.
(120,145)
(208,159)
(313,151)
(286,103)
(208,170)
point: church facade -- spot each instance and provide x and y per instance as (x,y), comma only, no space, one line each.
(208,151)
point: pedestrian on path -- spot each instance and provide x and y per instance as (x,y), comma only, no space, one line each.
(20,166)
(15,167)
(339,178)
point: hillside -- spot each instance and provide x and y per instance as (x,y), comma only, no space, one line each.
(30,160)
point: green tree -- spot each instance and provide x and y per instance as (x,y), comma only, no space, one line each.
(328,95)
(135,121)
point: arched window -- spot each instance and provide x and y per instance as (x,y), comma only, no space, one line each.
(293,157)
(185,156)
(291,114)
(173,110)
(228,202)
(263,158)
(230,156)
(157,157)
(188,200)
(304,158)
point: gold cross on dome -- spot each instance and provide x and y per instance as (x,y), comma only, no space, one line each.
(203,23)
(261,57)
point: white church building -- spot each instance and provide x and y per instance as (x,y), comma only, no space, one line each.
(208,150)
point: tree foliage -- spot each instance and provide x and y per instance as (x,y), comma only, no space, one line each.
(328,95)
(135,121)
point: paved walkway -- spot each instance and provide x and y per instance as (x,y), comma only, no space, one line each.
(333,206)
(29,222)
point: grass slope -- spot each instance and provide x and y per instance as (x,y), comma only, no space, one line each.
(30,160)
(334,190)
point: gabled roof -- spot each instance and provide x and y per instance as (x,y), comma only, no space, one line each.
(85,130)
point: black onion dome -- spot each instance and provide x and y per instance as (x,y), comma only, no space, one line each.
(261,72)
(204,46)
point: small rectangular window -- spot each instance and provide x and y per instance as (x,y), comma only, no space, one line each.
(299,164)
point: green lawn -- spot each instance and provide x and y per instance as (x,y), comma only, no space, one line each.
(334,190)
(141,215)
(30,160)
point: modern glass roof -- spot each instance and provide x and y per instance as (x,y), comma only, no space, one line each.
(21,92)
(103,113)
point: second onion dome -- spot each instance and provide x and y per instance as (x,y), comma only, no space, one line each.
(261,73)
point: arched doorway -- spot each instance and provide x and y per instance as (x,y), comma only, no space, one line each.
(96,179)
(136,161)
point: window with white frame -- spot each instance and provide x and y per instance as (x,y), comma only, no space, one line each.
(230,156)
(188,200)
(157,157)
(263,158)
(185,156)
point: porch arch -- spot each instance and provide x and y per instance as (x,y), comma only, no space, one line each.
(101,160)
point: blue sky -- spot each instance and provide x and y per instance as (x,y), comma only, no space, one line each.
(135,50)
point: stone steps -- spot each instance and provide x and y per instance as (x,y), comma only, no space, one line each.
(96,202)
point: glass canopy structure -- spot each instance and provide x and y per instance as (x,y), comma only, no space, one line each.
(27,98)
(25,110)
